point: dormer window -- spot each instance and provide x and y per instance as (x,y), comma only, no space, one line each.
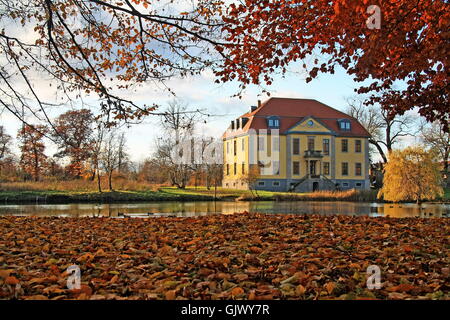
(344,125)
(273,122)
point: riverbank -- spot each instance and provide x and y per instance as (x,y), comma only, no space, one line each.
(239,256)
(187,194)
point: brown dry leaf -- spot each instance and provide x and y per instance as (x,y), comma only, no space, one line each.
(300,290)
(36,297)
(237,291)
(404,287)
(329,286)
(11,280)
(171,295)
(5,273)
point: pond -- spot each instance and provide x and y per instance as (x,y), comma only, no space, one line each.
(201,208)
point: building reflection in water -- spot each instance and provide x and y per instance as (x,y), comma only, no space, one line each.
(201,208)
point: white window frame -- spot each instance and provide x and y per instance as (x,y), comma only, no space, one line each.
(277,144)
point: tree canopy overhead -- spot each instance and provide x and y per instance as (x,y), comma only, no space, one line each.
(99,47)
(411,46)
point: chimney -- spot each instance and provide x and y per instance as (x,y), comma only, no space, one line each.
(237,123)
(232,125)
(259,103)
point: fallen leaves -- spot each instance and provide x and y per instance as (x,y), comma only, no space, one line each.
(11,280)
(251,256)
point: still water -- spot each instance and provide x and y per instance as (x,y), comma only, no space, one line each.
(201,208)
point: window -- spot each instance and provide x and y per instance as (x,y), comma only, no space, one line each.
(311,143)
(261,183)
(228,147)
(276,168)
(345,168)
(296,167)
(345,184)
(260,143)
(344,125)
(358,184)
(344,145)
(228,169)
(276,183)
(273,122)
(358,169)
(235,168)
(243,167)
(326,146)
(276,143)
(296,146)
(357,145)
(326,168)
(234,146)
(243,144)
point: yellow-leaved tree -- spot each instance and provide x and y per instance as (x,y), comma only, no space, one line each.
(411,174)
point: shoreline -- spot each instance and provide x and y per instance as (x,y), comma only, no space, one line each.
(170,194)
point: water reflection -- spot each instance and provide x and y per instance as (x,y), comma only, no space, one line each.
(200,208)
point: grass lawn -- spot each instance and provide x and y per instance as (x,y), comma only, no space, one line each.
(221,192)
(240,256)
(175,194)
(447,194)
(104,197)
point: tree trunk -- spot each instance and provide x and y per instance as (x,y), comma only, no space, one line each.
(380,150)
(215,191)
(110,181)
(99,182)
(446,163)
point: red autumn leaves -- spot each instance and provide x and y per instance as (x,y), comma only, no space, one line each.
(241,256)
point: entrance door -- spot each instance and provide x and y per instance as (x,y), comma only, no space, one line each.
(315,186)
(312,168)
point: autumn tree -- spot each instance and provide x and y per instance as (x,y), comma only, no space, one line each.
(73,133)
(95,159)
(5,143)
(250,178)
(33,160)
(111,153)
(434,137)
(385,129)
(174,149)
(101,48)
(153,171)
(411,174)
(123,160)
(409,47)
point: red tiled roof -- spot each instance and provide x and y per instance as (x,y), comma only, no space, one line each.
(292,111)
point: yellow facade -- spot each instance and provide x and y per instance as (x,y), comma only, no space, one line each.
(340,168)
